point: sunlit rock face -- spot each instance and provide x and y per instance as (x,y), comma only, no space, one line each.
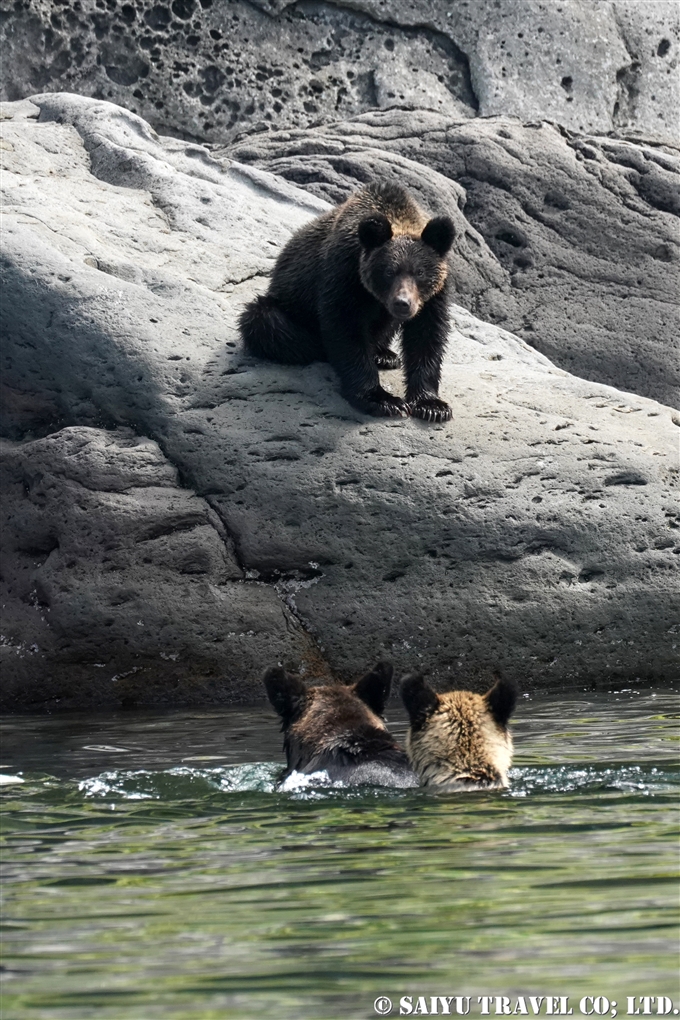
(242,511)
(211,70)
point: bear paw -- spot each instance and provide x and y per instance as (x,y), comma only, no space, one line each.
(430,409)
(382,404)
(395,407)
(387,360)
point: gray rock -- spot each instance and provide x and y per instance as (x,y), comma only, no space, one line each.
(576,246)
(210,71)
(121,587)
(591,66)
(214,70)
(649,86)
(537,532)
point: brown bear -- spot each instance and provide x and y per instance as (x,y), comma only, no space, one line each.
(346,284)
(339,729)
(460,740)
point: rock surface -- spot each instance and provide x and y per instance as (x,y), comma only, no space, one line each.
(577,239)
(121,587)
(538,531)
(210,70)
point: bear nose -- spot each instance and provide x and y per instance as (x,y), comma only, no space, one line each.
(403,302)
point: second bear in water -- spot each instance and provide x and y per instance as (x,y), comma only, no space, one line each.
(346,284)
(459,741)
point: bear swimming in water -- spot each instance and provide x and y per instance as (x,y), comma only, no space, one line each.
(346,284)
(459,740)
(339,729)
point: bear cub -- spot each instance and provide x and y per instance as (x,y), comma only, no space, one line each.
(460,740)
(346,285)
(339,729)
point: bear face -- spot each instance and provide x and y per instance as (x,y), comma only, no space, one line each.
(403,272)
(339,729)
(459,741)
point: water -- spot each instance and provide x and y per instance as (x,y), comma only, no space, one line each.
(151,869)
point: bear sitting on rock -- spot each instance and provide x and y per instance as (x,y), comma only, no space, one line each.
(346,284)
(339,729)
(459,741)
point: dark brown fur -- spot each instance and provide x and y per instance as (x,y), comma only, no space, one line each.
(339,729)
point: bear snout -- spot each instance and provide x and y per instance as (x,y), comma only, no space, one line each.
(404,300)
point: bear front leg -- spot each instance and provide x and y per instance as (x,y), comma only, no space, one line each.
(423,344)
(383,333)
(386,360)
(353,357)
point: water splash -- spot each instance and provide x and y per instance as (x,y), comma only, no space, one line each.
(297,782)
(6,780)
(180,782)
(262,777)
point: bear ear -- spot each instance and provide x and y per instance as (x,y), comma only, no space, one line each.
(439,234)
(419,699)
(501,700)
(287,694)
(374,688)
(374,231)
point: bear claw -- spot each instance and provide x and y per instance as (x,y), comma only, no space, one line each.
(431,409)
(382,404)
(383,409)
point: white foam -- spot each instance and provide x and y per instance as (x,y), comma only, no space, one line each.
(298,781)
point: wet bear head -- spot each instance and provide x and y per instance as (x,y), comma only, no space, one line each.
(404,270)
(459,740)
(336,725)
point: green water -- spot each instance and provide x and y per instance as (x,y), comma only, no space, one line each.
(152,870)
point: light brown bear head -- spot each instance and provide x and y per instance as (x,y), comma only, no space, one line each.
(459,740)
